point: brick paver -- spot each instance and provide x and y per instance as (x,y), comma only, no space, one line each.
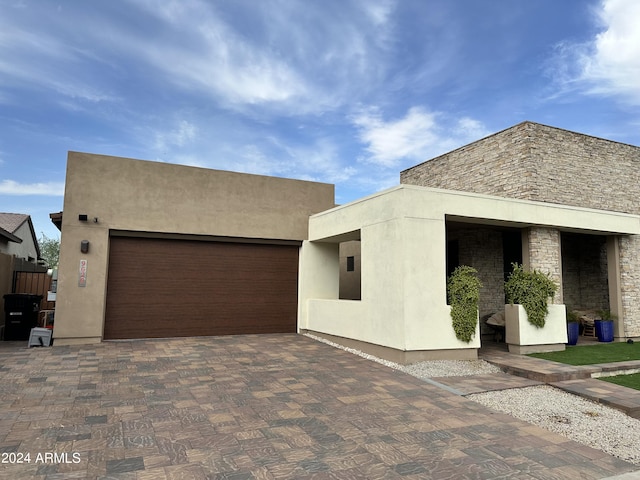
(257,406)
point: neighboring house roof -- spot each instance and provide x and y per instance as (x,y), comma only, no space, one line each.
(9,236)
(10,222)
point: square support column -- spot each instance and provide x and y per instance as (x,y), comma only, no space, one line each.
(541,250)
(629,261)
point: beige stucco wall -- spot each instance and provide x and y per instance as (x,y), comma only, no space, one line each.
(141,196)
(403,237)
(520,332)
(27,248)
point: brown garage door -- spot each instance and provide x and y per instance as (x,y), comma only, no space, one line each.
(176,288)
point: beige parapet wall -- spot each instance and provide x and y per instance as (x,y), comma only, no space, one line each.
(403,265)
(148,198)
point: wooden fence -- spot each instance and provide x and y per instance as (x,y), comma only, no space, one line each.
(35,283)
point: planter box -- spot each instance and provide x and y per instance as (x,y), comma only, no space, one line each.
(604,330)
(523,337)
(573,332)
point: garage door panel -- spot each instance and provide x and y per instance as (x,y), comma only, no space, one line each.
(166,288)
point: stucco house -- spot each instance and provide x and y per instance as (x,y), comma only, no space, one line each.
(371,273)
(557,201)
(19,251)
(151,249)
(18,238)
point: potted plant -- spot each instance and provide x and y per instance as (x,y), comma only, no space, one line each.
(532,325)
(573,327)
(463,291)
(604,326)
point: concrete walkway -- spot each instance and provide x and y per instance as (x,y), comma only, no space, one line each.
(257,406)
(579,380)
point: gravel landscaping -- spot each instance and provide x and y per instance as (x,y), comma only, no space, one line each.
(574,417)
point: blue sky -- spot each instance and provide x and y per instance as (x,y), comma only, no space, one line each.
(342,91)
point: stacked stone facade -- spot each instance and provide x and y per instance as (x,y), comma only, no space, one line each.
(496,165)
(545,255)
(584,272)
(481,248)
(535,162)
(630,283)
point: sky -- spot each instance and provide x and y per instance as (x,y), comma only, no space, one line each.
(348,92)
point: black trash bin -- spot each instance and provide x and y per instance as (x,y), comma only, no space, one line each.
(21,315)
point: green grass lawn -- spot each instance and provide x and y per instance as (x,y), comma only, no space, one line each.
(590,354)
(631,381)
(600,353)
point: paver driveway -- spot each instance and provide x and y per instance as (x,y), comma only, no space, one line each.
(270,406)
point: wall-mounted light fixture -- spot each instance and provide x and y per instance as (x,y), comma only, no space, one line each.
(84,246)
(83,217)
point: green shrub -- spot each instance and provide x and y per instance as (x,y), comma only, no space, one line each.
(606,315)
(463,290)
(572,316)
(532,290)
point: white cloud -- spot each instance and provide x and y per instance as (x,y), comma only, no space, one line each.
(295,57)
(609,63)
(200,51)
(419,135)
(10,187)
(45,61)
(470,129)
(318,161)
(614,64)
(313,63)
(379,12)
(389,142)
(183,134)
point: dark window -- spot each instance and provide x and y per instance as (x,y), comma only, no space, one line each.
(511,250)
(350,264)
(453,260)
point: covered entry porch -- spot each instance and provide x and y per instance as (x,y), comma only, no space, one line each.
(402,313)
(584,265)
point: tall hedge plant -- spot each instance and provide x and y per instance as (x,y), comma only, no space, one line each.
(531,289)
(463,290)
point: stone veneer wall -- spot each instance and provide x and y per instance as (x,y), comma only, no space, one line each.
(544,255)
(481,248)
(584,171)
(630,283)
(536,162)
(496,165)
(584,271)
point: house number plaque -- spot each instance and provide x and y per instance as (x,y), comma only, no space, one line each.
(82,273)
